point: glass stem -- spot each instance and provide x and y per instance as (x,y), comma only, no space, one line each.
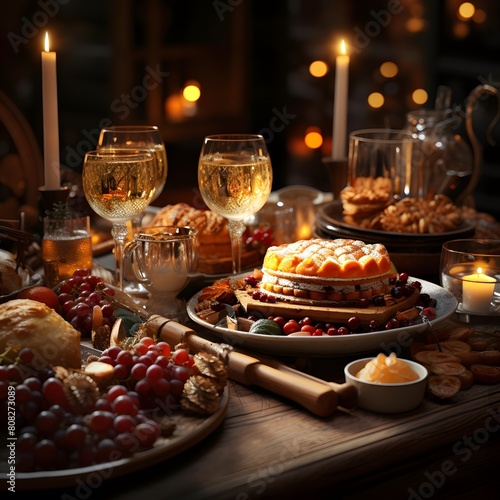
(119,233)
(236,230)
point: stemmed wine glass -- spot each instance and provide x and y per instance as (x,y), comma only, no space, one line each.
(235,179)
(119,185)
(138,137)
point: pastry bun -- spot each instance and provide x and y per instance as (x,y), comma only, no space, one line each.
(28,323)
(213,233)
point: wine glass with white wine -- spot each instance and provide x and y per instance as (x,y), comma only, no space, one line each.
(119,185)
(235,179)
(137,137)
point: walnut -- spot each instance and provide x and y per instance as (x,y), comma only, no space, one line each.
(421,216)
(80,389)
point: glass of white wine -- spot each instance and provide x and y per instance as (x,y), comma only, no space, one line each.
(137,137)
(235,179)
(119,185)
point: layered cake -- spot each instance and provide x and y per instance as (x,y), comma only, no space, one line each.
(326,270)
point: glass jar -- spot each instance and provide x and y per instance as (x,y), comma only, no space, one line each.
(442,158)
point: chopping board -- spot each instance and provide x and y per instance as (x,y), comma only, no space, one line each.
(328,314)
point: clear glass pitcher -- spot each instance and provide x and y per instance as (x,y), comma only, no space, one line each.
(446,163)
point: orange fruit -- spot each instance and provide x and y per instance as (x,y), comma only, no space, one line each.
(40,294)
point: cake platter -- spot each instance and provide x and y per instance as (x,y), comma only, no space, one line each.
(358,343)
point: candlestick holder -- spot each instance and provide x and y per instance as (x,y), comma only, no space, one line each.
(470,270)
(48,197)
(337,174)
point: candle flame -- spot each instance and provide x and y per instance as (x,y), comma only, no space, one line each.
(343,49)
(47,42)
(479,270)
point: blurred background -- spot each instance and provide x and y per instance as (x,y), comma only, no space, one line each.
(201,67)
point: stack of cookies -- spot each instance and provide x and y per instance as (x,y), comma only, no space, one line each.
(365,199)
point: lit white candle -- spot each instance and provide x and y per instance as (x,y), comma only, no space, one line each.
(477,291)
(340,104)
(50,118)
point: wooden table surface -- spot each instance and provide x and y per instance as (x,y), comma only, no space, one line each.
(269,447)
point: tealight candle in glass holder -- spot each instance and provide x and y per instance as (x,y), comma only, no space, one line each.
(470,270)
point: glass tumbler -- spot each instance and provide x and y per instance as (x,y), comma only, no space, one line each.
(66,247)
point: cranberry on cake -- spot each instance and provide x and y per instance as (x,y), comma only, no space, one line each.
(326,270)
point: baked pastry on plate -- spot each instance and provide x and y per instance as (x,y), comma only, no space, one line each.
(331,270)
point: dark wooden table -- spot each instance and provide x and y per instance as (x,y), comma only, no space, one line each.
(268,447)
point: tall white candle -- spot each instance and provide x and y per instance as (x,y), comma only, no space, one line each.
(50,119)
(477,292)
(340,104)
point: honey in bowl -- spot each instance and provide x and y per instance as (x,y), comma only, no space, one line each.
(387,370)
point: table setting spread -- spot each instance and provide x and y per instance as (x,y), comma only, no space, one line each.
(255,341)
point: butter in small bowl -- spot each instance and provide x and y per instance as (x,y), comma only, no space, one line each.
(387,384)
(387,370)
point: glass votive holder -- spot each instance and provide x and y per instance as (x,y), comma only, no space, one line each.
(470,270)
(276,217)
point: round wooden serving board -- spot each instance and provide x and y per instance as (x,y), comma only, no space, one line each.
(189,431)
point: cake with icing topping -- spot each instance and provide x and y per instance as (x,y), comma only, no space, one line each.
(331,270)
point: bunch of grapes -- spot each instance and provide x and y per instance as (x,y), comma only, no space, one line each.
(51,435)
(79,294)
(151,370)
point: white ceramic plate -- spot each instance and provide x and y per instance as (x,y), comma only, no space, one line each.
(332,346)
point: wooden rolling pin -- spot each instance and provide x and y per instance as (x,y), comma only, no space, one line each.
(347,394)
(317,397)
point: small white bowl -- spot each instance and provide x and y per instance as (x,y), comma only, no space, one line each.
(387,398)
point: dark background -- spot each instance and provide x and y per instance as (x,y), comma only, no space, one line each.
(251,59)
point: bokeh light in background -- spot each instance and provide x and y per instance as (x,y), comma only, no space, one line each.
(313,138)
(376,100)
(419,96)
(479,16)
(460,30)
(466,10)
(318,69)
(191,91)
(415,24)
(389,69)
(174,108)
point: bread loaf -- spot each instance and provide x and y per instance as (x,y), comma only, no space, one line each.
(28,323)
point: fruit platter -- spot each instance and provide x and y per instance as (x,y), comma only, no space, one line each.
(74,409)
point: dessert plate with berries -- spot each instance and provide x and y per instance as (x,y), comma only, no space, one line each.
(321,330)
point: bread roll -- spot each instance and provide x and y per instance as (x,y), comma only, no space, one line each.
(10,280)
(28,323)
